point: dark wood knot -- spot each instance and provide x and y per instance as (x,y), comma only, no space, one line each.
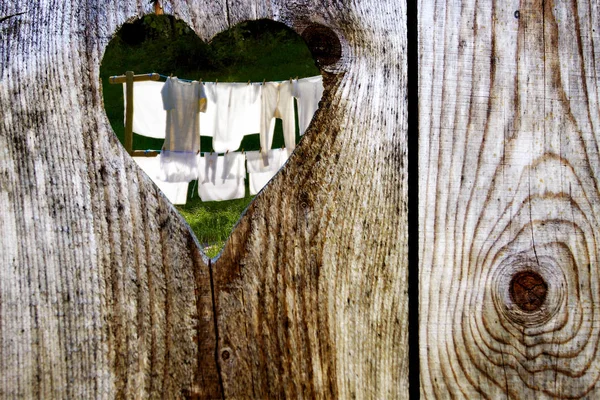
(323,43)
(528,290)
(225,355)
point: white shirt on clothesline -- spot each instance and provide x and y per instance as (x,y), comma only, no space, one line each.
(183,102)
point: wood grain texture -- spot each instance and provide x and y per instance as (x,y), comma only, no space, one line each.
(104,291)
(509,200)
(311,287)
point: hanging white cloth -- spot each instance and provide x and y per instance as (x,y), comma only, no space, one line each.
(277,102)
(233,112)
(234,166)
(255,161)
(212,186)
(262,175)
(175,192)
(183,102)
(149,116)
(308,93)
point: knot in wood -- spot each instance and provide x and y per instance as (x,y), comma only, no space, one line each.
(323,43)
(225,355)
(528,290)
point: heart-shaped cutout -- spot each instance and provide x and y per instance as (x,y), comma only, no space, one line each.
(256,51)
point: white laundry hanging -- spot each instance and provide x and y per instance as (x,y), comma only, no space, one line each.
(233,112)
(308,93)
(149,117)
(212,186)
(234,166)
(277,102)
(255,162)
(183,102)
(175,192)
(261,176)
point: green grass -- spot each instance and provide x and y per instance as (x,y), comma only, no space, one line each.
(213,221)
(256,51)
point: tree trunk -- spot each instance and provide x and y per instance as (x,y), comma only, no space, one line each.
(104,291)
(509,210)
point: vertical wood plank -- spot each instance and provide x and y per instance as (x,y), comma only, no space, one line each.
(510,207)
(311,286)
(104,291)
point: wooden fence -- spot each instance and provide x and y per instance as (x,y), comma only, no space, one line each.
(104,291)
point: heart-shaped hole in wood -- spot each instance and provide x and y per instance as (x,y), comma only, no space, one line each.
(258,52)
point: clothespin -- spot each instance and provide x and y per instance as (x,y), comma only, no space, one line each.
(170,76)
(227,152)
(216,81)
(264,81)
(290,79)
(242,150)
(200,80)
(296,77)
(248,82)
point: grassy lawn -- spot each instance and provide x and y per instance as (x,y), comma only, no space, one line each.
(254,50)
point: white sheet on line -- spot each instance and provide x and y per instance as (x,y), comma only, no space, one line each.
(175,192)
(234,166)
(211,185)
(258,180)
(149,116)
(256,164)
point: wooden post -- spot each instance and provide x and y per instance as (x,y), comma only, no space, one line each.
(129,78)
(158,10)
(129,111)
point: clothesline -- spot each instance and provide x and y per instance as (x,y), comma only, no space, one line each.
(219,177)
(201,152)
(192,80)
(233,109)
(171,110)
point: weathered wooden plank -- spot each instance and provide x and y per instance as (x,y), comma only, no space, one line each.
(509,201)
(104,291)
(311,286)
